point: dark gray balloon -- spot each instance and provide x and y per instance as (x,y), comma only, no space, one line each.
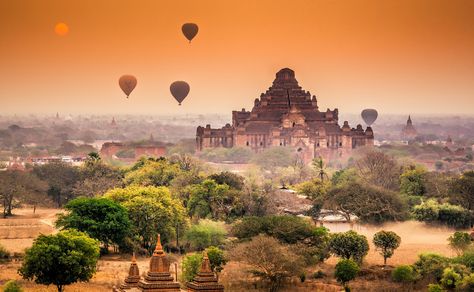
(369,115)
(127,84)
(190,30)
(179,90)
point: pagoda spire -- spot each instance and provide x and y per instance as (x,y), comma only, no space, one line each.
(131,281)
(205,280)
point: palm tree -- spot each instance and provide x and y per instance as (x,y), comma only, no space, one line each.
(320,167)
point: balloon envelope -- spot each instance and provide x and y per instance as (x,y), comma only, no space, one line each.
(127,83)
(179,89)
(370,116)
(190,30)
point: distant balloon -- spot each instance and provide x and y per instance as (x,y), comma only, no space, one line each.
(370,116)
(179,89)
(127,84)
(190,30)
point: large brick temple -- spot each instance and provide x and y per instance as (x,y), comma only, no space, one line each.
(287,115)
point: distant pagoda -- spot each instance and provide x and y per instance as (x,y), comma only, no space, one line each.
(409,132)
(131,281)
(205,280)
(158,278)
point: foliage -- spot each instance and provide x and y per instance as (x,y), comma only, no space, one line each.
(151,210)
(462,190)
(234,154)
(16,186)
(211,200)
(233,180)
(386,242)
(4,253)
(370,204)
(204,234)
(412,181)
(450,278)
(404,273)
(435,288)
(346,270)
(343,176)
(431,265)
(320,168)
(467,283)
(459,241)
(12,286)
(467,258)
(101,218)
(190,266)
(217,258)
(152,172)
(274,157)
(379,169)
(314,189)
(349,245)
(61,179)
(70,252)
(270,260)
(451,215)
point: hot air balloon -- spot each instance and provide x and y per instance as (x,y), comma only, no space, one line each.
(190,30)
(179,89)
(369,115)
(127,84)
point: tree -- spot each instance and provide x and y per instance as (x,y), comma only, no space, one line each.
(270,260)
(217,258)
(151,210)
(274,157)
(16,186)
(387,242)
(370,204)
(349,245)
(61,178)
(346,270)
(101,218)
(152,172)
(61,259)
(96,177)
(233,180)
(412,181)
(320,168)
(379,169)
(12,286)
(404,274)
(459,241)
(204,234)
(315,189)
(190,266)
(462,189)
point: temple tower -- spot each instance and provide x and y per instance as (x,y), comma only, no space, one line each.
(205,280)
(158,278)
(133,276)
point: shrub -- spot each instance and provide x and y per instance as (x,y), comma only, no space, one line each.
(346,270)
(459,241)
(451,215)
(450,278)
(204,234)
(190,266)
(435,288)
(319,274)
(467,259)
(405,274)
(467,283)
(349,245)
(431,265)
(12,286)
(217,258)
(4,254)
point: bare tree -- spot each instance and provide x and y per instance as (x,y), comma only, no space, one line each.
(379,169)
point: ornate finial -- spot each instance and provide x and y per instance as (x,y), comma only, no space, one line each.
(134,259)
(205,265)
(158,248)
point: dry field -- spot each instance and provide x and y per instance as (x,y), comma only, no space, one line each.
(18,232)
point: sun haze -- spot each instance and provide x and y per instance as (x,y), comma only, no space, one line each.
(61,29)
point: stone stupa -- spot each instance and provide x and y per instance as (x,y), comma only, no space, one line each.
(205,280)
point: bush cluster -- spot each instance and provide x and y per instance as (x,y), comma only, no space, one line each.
(451,215)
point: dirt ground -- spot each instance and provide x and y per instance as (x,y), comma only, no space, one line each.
(18,232)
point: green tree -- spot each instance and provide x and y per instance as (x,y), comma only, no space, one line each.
(431,265)
(151,210)
(233,180)
(152,172)
(462,190)
(270,260)
(190,266)
(412,181)
(217,259)
(61,178)
(101,218)
(452,276)
(320,168)
(315,189)
(274,157)
(343,176)
(370,204)
(204,234)
(404,274)
(346,270)
(386,242)
(459,241)
(349,245)
(61,259)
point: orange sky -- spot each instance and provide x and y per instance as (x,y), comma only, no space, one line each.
(399,56)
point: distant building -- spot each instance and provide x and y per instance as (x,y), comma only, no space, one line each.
(409,132)
(150,149)
(287,115)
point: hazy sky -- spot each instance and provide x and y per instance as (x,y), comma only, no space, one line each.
(399,56)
